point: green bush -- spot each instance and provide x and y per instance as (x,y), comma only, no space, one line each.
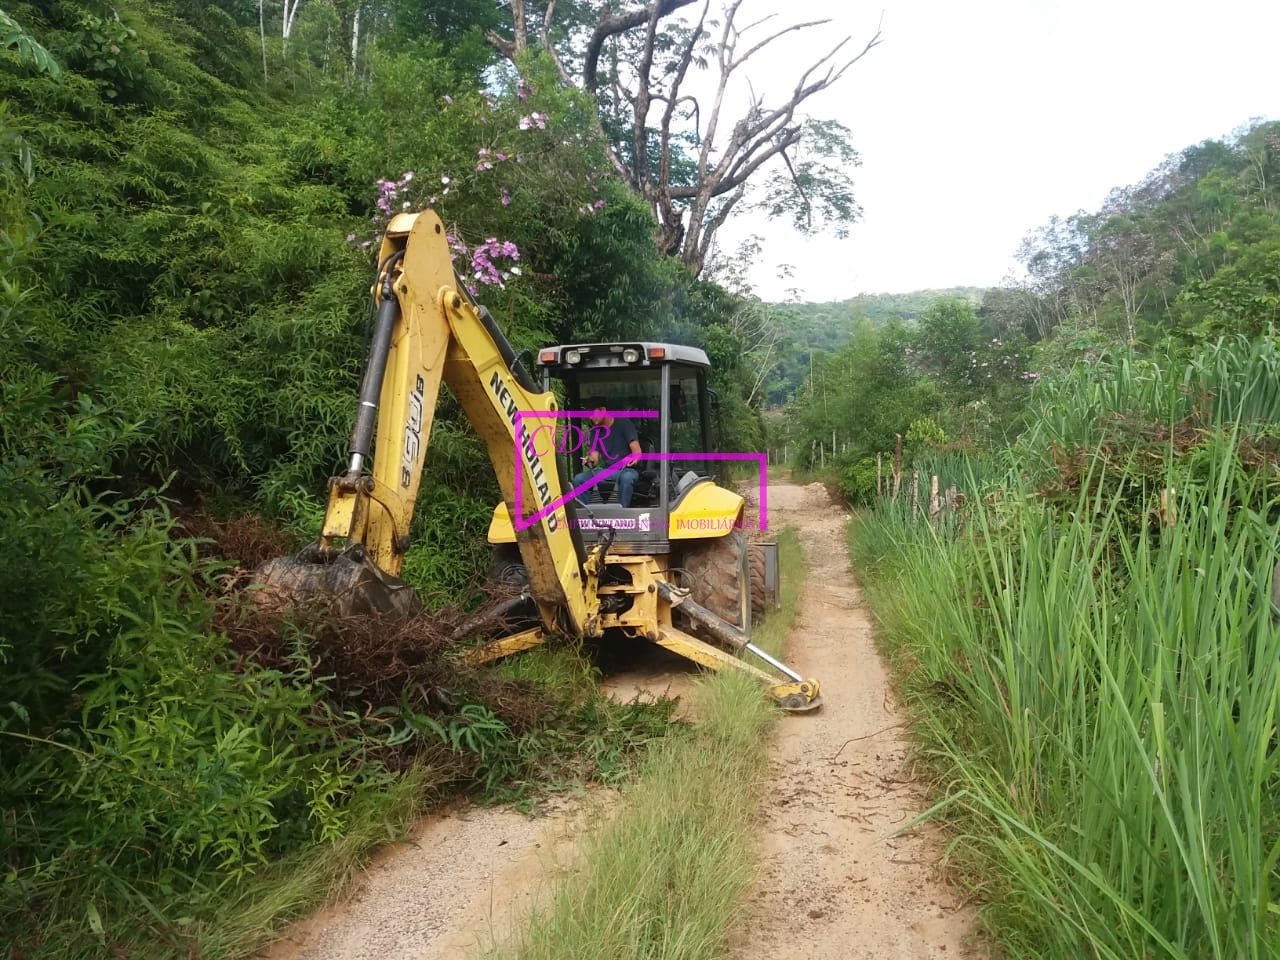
(858,482)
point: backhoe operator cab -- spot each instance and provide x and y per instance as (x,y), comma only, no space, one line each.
(662,389)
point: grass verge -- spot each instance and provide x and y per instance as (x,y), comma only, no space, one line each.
(1096,686)
(665,879)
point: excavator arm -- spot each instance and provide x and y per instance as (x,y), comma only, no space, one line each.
(428,330)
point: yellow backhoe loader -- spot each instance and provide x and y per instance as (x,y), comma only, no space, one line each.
(672,568)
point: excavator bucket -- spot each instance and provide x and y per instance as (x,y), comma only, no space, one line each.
(346,583)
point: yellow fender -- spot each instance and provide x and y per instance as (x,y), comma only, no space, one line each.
(707,511)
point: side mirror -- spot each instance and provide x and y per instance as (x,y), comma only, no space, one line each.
(677,411)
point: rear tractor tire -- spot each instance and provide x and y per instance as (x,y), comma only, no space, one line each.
(721,579)
(755,568)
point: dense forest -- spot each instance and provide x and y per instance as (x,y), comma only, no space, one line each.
(191,195)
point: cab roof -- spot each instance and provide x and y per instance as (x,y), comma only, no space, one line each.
(596,356)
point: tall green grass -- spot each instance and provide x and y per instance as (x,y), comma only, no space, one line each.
(1096,685)
(667,875)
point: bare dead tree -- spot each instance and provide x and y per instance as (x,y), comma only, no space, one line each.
(1127,254)
(515,45)
(684,157)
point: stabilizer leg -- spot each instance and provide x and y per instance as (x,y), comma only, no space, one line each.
(795,696)
(505,646)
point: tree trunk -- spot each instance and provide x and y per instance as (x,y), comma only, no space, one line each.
(262,35)
(355,38)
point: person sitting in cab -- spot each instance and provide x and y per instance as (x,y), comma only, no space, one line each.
(612,439)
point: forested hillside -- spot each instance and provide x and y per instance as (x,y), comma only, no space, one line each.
(806,330)
(1184,257)
(1087,632)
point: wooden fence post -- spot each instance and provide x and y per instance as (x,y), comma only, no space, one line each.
(897,464)
(915,492)
(934,506)
(878,458)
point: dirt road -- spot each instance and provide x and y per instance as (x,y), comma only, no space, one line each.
(462,881)
(834,884)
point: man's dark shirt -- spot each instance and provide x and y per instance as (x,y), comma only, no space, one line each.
(614,440)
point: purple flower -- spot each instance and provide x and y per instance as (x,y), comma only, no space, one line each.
(484,269)
(506,198)
(351,238)
(599,204)
(448,100)
(523,89)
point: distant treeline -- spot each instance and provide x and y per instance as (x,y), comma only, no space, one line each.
(825,327)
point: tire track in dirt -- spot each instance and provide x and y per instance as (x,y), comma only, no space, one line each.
(835,883)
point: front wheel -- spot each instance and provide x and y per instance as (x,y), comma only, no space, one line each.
(506,567)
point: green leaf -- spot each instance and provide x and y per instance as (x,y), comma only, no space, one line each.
(95,920)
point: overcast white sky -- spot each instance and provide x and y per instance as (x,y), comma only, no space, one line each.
(978,120)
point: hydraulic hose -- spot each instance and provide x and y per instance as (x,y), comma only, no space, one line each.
(375,370)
